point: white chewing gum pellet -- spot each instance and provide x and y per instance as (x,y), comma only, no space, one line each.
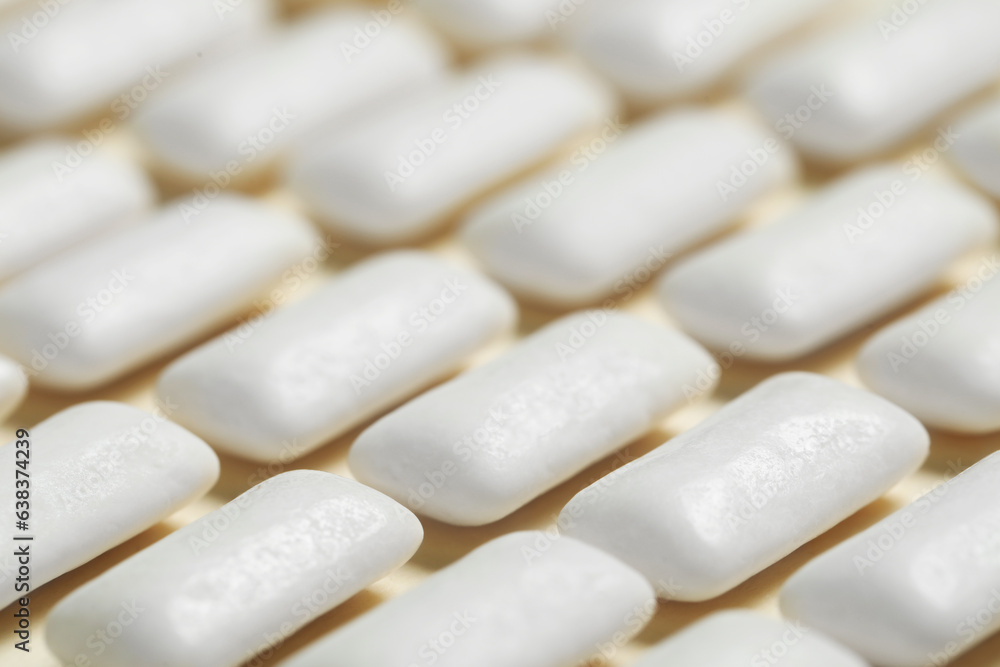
(740,638)
(525,599)
(943,362)
(976,150)
(118,302)
(483,24)
(486,443)
(47,206)
(13,386)
(770,471)
(918,588)
(90,51)
(582,231)
(242,112)
(368,339)
(241,579)
(863,89)
(100,474)
(396,174)
(658,50)
(859,248)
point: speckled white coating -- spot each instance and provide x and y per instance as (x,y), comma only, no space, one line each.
(251,106)
(86,53)
(100,474)
(109,306)
(222,588)
(45,208)
(527,599)
(595,228)
(823,270)
(740,638)
(658,50)
(13,386)
(319,367)
(770,471)
(867,86)
(942,363)
(393,175)
(918,588)
(486,443)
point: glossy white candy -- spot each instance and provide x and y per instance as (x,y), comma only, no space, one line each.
(943,362)
(977,146)
(111,305)
(479,447)
(768,472)
(739,638)
(858,249)
(13,386)
(393,175)
(656,50)
(47,205)
(918,588)
(89,51)
(528,599)
(235,116)
(865,88)
(604,224)
(370,338)
(100,473)
(242,579)
(479,24)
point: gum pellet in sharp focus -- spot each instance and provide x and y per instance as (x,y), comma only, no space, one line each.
(600,225)
(117,302)
(243,578)
(918,588)
(770,471)
(100,473)
(486,443)
(529,599)
(49,203)
(369,338)
(394,175)
(856,250)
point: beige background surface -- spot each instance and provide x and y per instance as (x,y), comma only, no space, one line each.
(444,544)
